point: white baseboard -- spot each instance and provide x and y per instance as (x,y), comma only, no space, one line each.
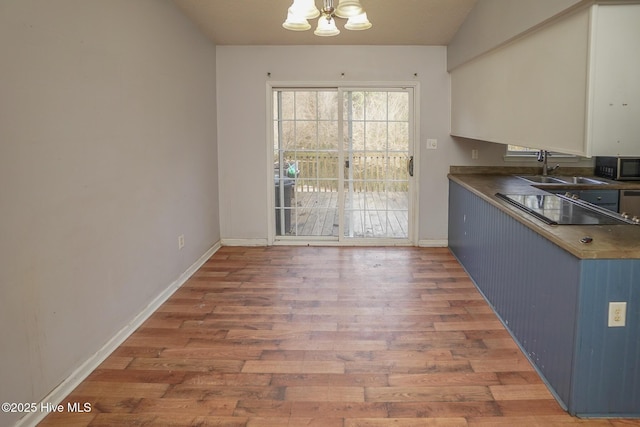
(432,243)
(244,242)
(81,372)
(436,243)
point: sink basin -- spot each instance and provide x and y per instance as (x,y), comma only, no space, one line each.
(572,180)
(581,180)
(543,179)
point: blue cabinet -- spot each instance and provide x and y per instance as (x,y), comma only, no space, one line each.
(607,199)
(555,306)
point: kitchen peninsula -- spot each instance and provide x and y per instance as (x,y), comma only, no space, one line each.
(552,285)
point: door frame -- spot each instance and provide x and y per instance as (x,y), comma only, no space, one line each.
(413,214)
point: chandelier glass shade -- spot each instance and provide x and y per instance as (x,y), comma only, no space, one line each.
(301,11)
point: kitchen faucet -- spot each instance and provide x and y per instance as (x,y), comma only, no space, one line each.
(542,157)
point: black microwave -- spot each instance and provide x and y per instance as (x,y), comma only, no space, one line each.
(618,168)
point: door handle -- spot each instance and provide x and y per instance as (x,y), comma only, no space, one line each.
(410,166)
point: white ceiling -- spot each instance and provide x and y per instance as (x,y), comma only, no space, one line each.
(395,22)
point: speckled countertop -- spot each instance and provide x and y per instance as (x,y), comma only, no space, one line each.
(609,241)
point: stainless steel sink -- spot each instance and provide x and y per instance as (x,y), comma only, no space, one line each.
(543,179)
(582,180)
(572,180)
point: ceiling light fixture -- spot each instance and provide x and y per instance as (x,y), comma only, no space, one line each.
(302,10)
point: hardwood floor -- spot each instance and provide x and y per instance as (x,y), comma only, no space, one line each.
(318,336)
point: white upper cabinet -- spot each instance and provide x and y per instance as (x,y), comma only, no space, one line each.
(614,113)
(569,85)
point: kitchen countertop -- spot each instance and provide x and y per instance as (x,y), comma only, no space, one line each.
(609,241)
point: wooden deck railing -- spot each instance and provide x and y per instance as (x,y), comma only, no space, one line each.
(319,171)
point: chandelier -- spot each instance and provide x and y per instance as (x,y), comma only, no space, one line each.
(302,10)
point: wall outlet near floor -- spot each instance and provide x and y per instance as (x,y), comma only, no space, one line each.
(181,241)
(474,154)
(432,144)
(617,314)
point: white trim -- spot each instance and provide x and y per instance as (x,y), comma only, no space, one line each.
(59,393)
(532,158)
(434,243)
(415,185)
(338,84)
(591,80)
(269,181)
(244,242)
(381,242)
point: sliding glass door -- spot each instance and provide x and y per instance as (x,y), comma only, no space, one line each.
(342,163)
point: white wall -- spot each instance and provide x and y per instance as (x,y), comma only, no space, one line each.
(242,114)
(107,154)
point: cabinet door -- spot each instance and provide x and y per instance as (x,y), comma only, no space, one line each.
(530,92)
(615,86)
(607,199)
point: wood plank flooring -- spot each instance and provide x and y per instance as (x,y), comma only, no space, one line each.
(320,336)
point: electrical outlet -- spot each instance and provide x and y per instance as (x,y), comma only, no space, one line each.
(617,314)
(474,154)
(181,241)
(432,144)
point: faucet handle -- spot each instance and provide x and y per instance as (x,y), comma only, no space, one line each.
(541,155)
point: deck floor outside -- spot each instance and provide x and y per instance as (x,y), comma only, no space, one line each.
(367,215)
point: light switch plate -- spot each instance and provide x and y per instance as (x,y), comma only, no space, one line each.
(432,144)
(617,314)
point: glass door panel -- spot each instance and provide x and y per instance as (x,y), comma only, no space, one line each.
(342,176)
(306,148)
(377,148)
